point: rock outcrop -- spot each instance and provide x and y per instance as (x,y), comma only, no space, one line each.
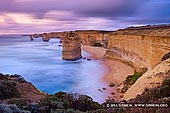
(71,46)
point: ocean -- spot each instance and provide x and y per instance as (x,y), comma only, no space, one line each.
(41,64)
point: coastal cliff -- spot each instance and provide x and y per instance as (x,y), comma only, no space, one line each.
(142,47)
(93,37)
(139,50)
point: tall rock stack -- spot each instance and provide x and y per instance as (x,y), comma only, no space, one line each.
(71,46)
(31,37)
(35,35)
(45,37)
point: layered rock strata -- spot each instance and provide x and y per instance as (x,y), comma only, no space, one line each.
(138,50)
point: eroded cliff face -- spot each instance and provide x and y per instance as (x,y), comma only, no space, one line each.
(138,50)
(55,34)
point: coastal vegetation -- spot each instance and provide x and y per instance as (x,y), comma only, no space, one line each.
(8,88)
(130,80)
(62,102)
(159,94)
(97,44)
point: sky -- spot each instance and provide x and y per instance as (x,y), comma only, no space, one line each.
(37,16)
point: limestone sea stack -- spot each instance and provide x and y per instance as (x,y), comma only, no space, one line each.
(71,46)
(45,37)
(35,35)
(31,37)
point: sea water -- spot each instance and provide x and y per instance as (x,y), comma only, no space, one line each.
(41,64)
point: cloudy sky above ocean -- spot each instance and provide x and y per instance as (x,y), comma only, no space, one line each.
(29,16)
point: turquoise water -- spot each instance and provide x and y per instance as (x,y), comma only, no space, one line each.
(40,63)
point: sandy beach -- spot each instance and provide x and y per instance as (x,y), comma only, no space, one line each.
(116,71)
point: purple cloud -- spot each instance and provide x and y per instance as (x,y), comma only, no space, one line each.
(84,7)
(82,14)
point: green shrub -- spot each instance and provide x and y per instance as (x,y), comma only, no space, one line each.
(134,77)
(131,79)
(20,102)
(62,100)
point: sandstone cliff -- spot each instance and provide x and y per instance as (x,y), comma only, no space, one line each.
(139,50)
(91,37)
(142,47)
